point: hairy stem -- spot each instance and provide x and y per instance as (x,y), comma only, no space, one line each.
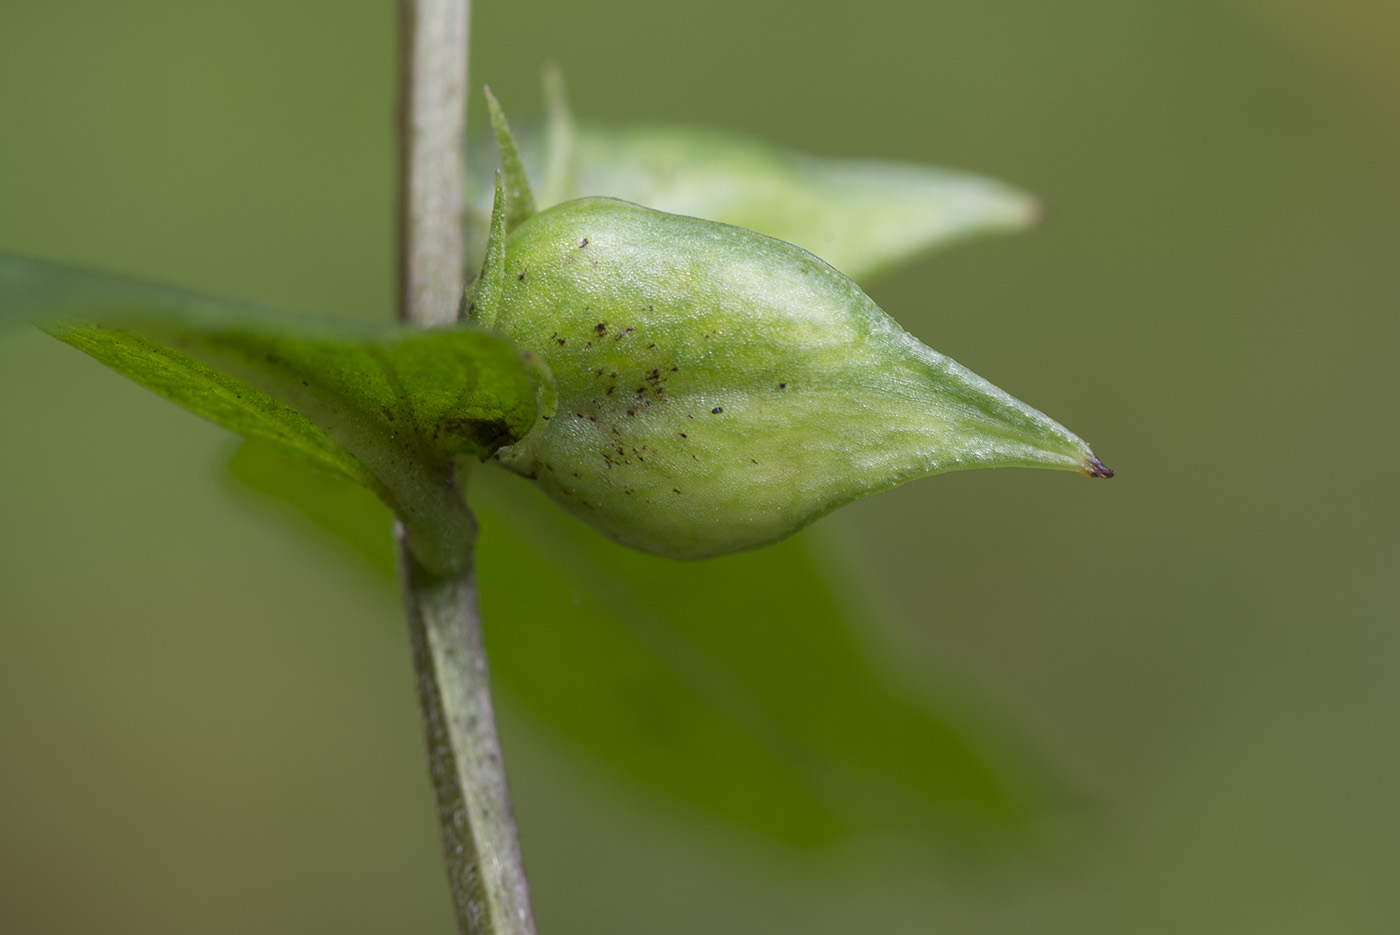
(479,840)
(480,845)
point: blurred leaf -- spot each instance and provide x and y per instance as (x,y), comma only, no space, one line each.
(733,684)
(348,512)
(655,654)
(863,216)
(384,406)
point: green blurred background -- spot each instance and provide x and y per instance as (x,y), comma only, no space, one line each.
(208,725)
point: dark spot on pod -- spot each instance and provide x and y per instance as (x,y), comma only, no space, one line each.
(583,243)
(624,333)
(598,372)
(388,413)
(650,346)
(675,490)
(561,341)
(683,435)
(631,412)
(717,410)
(610,390)
(521,277)
(752,461)
(601,327)
(782,386)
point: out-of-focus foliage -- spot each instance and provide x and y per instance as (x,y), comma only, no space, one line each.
(863,216)
(736,684)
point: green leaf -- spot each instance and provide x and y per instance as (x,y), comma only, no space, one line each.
(863,216)
(385,406)
(486,290)
(734,685)
(348,512)
(520,200)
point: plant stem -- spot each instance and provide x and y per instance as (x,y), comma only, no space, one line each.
(481,847)
(432,153)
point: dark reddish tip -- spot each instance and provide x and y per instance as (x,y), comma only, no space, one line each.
(1095,468)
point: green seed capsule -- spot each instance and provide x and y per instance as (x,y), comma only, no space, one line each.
(715,390)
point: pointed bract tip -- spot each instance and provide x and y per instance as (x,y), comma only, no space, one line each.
(1096,468)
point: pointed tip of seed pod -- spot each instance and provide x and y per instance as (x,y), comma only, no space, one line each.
(1093,467)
